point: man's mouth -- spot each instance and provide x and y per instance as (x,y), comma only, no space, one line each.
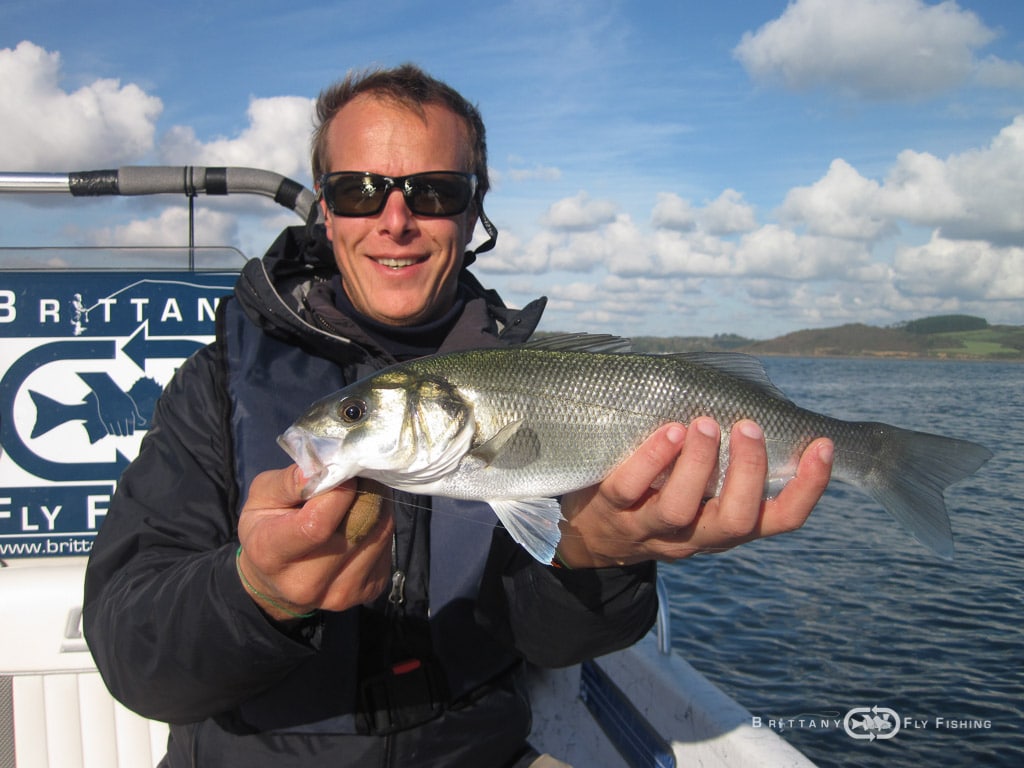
(399,263)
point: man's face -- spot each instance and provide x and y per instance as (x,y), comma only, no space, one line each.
(396,267)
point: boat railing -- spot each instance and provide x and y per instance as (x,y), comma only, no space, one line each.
(188,180)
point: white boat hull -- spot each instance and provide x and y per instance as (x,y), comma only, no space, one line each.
(56,713)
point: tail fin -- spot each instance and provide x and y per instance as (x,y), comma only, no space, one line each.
(910,474)
(50,413)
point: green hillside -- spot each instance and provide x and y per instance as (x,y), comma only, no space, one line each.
(954,337)
(942,337)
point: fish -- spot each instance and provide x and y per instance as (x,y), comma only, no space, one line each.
(103,392)
(518,427)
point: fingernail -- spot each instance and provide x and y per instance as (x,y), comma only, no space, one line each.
(751,430)
(707,427)
(675,434)
(825,452)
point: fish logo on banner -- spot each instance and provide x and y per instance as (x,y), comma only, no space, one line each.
(85,356)
(871,723)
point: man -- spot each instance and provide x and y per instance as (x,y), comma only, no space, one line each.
(221,601)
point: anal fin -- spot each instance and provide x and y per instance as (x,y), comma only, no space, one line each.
(533,523)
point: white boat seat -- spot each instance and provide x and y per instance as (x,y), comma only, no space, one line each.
(55,711)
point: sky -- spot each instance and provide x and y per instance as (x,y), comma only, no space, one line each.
(658,168)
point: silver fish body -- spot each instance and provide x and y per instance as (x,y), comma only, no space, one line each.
(516,427)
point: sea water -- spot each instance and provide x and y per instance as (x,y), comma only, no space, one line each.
(849,638)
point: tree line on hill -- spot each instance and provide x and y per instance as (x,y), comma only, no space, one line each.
(944,324)
(942,336)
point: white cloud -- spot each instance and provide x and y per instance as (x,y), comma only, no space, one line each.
(993,72)
(845,248)
(968,269)
(774,251)
(612,301)
(990,181)
(170,228)
(728,214)
(873,49)
(579,213)
(512,256)
(673,212)
(971,195)
(537,172)
(622,248)
(273,140)
(46,128)
(693,254)
(840,204)
(918,188)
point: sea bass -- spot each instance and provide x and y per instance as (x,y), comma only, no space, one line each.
(517,427)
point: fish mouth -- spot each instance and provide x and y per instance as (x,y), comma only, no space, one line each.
(306,451)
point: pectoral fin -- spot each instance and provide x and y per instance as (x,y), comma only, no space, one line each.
(512,447)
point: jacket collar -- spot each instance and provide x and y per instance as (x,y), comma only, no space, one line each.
(285,294)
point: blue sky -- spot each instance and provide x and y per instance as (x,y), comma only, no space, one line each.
(660,168)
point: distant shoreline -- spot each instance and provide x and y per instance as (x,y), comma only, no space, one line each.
(888,356)
(953,338)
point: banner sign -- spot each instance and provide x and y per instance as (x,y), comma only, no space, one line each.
(83,358)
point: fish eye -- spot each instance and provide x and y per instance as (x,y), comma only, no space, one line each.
(352,410)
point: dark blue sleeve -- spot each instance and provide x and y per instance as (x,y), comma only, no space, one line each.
(557,617)
(168,622)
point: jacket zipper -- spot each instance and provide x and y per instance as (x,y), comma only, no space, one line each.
(397,595)
(396,601)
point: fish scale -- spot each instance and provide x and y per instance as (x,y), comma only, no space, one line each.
(518,427)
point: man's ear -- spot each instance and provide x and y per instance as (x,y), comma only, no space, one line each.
(327,215)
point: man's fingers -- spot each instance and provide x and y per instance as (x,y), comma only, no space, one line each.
(739,506)
(277,488)
(367,570)
(331,551)
(322,516)
(634,477)
(793,505)
(680,497)
(277,525)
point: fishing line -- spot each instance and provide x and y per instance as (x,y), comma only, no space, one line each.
(496,524)
(475,521)
(787,541)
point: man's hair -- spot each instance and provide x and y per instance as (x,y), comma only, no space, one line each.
(410,87)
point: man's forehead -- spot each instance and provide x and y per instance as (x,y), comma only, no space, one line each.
(370,118)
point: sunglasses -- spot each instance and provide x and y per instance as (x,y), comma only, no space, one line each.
(434,193)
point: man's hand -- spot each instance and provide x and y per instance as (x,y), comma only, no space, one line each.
(627,520)
(326,552)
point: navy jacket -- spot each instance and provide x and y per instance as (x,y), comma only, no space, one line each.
(177,638)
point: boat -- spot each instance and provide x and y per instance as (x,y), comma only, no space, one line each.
(642,707)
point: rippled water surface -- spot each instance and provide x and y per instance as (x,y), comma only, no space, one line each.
(850,612)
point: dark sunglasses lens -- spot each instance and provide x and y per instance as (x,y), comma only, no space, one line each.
(438,194)
(426,194)
(355,194)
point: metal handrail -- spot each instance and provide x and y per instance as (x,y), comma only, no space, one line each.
(189,180)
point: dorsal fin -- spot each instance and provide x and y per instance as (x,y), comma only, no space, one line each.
(744,367)
(581,342)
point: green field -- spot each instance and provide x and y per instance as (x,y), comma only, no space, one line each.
(995,342)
